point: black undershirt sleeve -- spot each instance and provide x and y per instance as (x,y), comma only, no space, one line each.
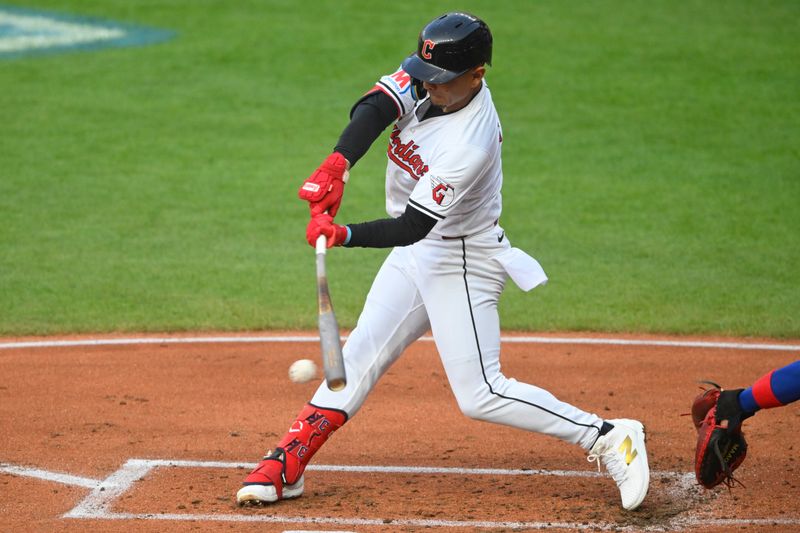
(406,229)
(369,117)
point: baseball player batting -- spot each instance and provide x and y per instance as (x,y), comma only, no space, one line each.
(449,263)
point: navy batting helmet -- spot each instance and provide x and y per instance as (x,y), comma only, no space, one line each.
(449,46)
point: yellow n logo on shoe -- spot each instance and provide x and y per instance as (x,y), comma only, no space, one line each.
(626,448)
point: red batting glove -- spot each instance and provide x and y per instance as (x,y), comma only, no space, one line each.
(323,225)
(324,188)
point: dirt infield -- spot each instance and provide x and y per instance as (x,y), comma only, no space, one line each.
(156,433)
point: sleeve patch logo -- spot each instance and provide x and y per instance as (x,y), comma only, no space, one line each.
(400,81)
(442,192)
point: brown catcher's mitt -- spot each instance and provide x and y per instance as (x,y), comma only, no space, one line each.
(721,447)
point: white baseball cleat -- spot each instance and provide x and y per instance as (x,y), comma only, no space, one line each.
(257,494)
(624,455)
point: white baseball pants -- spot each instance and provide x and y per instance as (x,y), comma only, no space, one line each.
(452,288)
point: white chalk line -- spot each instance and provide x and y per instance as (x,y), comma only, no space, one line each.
(64,479)
(145,465)
(103,493)
(311,338)
(380,522)
(374,469)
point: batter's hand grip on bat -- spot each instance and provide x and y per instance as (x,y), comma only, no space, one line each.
(332,359)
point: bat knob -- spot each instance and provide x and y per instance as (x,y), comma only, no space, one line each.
(336,385)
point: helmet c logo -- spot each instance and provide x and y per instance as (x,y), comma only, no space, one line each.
(427,48)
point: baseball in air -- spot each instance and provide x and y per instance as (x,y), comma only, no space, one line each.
(303,371)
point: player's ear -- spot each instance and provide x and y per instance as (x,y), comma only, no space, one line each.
(477,74)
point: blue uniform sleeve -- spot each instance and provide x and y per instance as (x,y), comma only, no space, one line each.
(776,388)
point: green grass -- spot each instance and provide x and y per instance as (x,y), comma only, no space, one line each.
(650,153)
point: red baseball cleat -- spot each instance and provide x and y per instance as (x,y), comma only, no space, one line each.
(267,482)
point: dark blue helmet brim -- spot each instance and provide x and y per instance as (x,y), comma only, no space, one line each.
(421,70)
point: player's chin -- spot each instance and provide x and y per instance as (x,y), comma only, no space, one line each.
(438,101)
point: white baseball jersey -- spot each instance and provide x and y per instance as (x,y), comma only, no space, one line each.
(448,167)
